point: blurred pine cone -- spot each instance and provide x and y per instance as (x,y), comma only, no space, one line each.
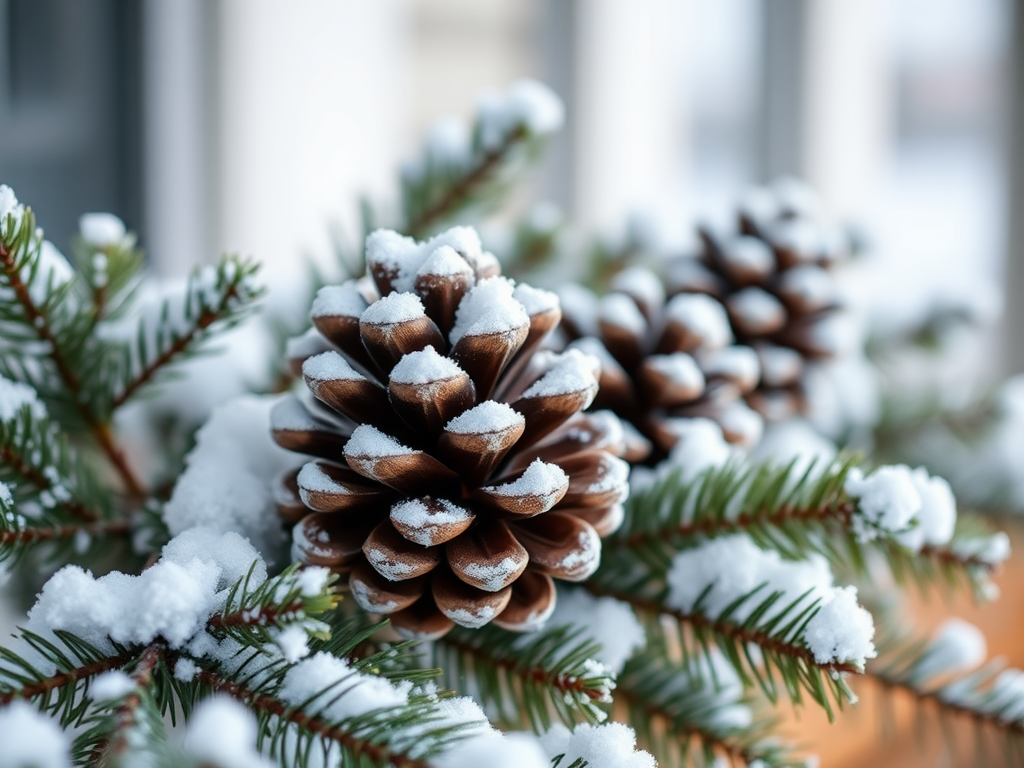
(457,475)
(663,361)
(774,276)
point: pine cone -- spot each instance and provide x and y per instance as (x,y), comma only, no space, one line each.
(773,275)
(456,473)
(662,362)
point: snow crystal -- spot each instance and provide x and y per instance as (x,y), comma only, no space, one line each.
(779,365)
(495,750)
(343,691)
(604,620)
(424,367)
(609,745)
(613,474)
(367,440)
(640,283)
(572,371)
(732,362)
(796,441)
(750,253)
(893,498)
(1007,695)
(812,284)
(9,207)
(758,307)
(52,270)
(488,308)
(293,642)
(228,483)
(394,308)
(581,306)
(111,686)
(14,396)
(288,413)
(725,569)
(841,630)
(704,316)
(991,550)
(464,240)
(30,739)
(621,311)
(6,500)
(185,669)
(473,618)
(680,368)
(797,235)
(172,600)
(305,345)
(957,646)
(494,576)
(345,300)
(534,300)
(526,104)
(490,416)
(101,230)
(540,480)
(313,478)
(328,366)
(700,445)
(445,262)
(420,520)
(222,732)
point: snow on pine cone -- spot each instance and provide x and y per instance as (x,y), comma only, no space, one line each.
(773,275)
(456,473)
(663,362)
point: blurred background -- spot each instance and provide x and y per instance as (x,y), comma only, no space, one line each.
(253,126)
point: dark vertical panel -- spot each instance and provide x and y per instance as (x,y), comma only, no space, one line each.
(69,108)
(1014,322)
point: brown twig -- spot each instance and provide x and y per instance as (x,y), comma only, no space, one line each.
(52,533)
(17,464)
(357,746)
(63,678)
(841,513)
(462,189)
(41,323)
(127,712)
(206,319)
(564,683)
(934,698)
(259,617)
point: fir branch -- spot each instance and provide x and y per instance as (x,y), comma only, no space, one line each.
(16,254)
(688,715)
(46,685)
(34,451)
(798,511)
(358,748)
(528,679)
(430,204)
(779,649)
(125,715)
(990,698)
(214,300)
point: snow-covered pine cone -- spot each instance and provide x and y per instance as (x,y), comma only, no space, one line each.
(456,473)
(663,361)
(774,276)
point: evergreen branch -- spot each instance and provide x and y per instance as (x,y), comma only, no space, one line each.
(15,256)
(444,201)
(779,646)
(990,698)
(33,450)
(214,300)
(358,748)
(795,511)
(529,678)
(693,714)
(46,685)
(124,716)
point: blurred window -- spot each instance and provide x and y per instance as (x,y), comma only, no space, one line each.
(69,118)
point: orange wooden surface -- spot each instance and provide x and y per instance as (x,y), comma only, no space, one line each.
(855,740)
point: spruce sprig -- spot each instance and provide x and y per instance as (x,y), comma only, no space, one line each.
(688,716)
(528,679)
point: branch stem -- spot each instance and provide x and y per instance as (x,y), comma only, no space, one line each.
(53,533)
(61,679)
(16,462)
(268,704)
(40,321)
(734,631)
